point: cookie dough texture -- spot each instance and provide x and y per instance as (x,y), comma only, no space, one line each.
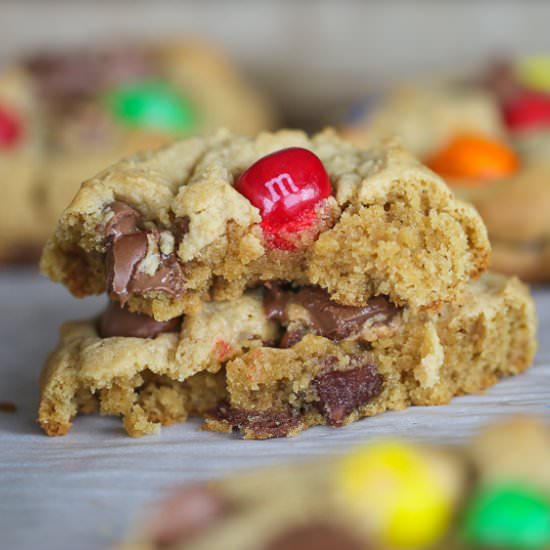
(220,367)
(396,228)
(69,136)
(302,503)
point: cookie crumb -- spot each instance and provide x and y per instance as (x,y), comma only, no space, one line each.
(8,407)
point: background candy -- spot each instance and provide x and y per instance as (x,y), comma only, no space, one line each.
(10,129)
(153,106)
(508,517)
(395,488)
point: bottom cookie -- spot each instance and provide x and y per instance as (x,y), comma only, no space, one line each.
(492,493)
(265,365)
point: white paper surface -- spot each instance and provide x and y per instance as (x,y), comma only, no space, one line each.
(83,490)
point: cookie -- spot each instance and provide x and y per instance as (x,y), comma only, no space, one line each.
(200,220)
(385,494)
(64,116)
(489,138)
(279,359)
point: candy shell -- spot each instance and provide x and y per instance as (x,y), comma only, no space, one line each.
(10,128)
(152,106)
(471,159)
(534,72)
(393,487)
(286,186)
(511,517)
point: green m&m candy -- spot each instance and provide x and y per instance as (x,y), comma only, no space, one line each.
(508,517)
(152,105)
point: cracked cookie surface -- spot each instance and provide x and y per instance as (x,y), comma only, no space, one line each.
(391,227)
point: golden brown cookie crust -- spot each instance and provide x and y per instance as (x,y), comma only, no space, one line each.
(397,228)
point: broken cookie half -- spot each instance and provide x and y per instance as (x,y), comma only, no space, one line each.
(207,218)
(278,360)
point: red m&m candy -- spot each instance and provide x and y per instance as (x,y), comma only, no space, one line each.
(286,186)
(527,111)
(10,128)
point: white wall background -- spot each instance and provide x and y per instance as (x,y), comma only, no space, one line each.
(311,54)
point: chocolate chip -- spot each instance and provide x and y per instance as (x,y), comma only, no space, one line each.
(122,258)
(341,392)
(326,317)
(264,424)
(336,321)
(118,321)
(123,222)
(126,247)
(167,278)
(291,337)
(187,513)
(275,302)
(316,535)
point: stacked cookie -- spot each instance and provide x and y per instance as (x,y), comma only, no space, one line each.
(274,283)
(64,116)
(493,492)
(488,135)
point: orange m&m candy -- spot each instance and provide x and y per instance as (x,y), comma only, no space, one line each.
(474,159)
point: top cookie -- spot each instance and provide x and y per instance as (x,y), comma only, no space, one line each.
(164,230)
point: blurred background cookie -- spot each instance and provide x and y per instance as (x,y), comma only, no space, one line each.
(66,114)
(488,136)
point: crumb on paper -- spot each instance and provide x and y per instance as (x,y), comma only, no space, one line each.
(8,407)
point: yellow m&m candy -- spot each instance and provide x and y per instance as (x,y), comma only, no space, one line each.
(395,489)
(534,72)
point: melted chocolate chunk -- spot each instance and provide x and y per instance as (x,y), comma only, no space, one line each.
(264,424)
(123,256)
(187,513)
(124,221)
(341,392)
(127,246)
(316,535)
(326,317)
(276,300)
(118,321)
(168,278)
(291,337)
